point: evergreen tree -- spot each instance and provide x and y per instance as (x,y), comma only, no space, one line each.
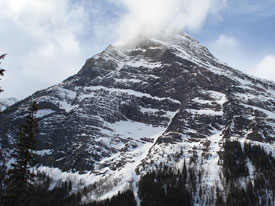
(19,181)
(2,70)
(234,161)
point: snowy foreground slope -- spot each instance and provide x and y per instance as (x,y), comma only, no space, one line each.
(129,109)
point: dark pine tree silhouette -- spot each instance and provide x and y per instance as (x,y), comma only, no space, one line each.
(20,178)
(2,167)
(2,70)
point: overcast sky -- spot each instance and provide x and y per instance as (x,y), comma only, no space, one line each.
(49,40)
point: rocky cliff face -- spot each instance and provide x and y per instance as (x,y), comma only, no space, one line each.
(129,109)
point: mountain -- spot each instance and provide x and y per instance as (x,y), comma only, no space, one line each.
(4,103)
(162,101)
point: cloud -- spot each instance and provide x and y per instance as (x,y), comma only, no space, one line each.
(225,42)
(227,49)
(147,17)
(266,68)
(42,42)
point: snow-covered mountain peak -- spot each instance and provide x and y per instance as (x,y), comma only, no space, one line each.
(164,100)
(164,41)
(163,49)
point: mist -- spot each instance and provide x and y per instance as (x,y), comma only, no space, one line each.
(145,18)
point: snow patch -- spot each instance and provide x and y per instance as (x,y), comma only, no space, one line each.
(43,112)
(43,152)
(130,92)
(211,164)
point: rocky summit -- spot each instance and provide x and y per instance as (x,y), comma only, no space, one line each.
(130,109)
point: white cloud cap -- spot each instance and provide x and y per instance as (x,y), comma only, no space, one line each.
(147,17)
